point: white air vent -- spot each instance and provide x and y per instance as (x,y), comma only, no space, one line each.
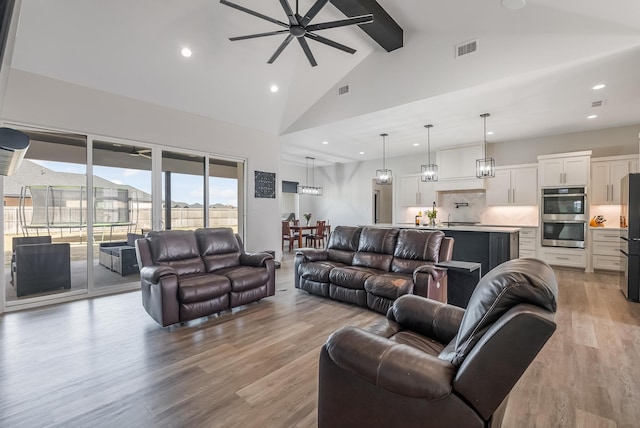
(467,48)
(599,103)
(343,90)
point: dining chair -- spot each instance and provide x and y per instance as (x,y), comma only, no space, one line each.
(319,235)
(287,235)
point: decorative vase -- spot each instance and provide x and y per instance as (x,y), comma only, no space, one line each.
(432,222)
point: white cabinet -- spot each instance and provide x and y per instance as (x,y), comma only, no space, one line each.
(606,245)
(605,180)
(416,193)
(528,242)
(513,186)
(571,257)
(564,171)
(457,169)
(634,165)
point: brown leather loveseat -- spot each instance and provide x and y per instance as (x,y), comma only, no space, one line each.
(372,267)
(190,274)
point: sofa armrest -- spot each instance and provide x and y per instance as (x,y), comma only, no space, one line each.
(428,317)
(430,281)
(254,259)
(311,255)
(152,274)
(389,365)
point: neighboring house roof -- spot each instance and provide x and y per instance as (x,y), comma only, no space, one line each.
(31,174)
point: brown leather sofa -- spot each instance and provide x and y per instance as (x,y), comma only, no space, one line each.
(435,365)
(372,267)
(187,275)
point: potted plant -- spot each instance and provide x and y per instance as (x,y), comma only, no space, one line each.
(432,216)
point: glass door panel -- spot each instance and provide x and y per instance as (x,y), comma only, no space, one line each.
(45,220)
(122,210)
(224,181)
(182,191)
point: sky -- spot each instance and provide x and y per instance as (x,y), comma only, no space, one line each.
(185,188)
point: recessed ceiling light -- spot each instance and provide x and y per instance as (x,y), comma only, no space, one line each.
(600,86)
(514,4)
(593,116)
(117,145)
(361,153)
(325,142)
(489,132)
(274,88)
(416,144)
(186,52)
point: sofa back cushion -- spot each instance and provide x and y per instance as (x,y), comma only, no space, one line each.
(375,248)
(414,248)
(176,248)
(219,248)
(343,244)
(517,281)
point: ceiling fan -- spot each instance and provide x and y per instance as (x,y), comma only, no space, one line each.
(143,153)
(299,27)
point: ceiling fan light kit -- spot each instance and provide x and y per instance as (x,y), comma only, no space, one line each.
(300,28)
(485,167)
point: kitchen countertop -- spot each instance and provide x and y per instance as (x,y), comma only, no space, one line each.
(478,228)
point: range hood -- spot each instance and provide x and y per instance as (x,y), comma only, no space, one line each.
(13,146)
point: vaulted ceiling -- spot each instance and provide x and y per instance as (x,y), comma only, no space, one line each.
(533,71)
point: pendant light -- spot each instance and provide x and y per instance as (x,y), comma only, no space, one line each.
(430,170)
(485,167)
(306,189)
(384,176)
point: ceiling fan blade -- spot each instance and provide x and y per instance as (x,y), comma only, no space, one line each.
(251,12)
(313,12)
(253,36)
(331,43)
(307,51)
(280,49)
(287,9)
(364,19)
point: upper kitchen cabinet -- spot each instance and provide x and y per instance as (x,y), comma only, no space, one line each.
(415,193)
(515,185)
(606,174)
(457,169)
(566,169)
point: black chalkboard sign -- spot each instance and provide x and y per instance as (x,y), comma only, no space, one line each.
(265,184)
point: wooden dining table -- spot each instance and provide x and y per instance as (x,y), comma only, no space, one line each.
(310,228)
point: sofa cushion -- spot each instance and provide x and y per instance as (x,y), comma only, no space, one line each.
(318,271)
(245,278)
(389,285)
(375,248)
(218,247)
(201,287)
(343,243)
(351,276)
(176,248)
(528,281)
(414,248)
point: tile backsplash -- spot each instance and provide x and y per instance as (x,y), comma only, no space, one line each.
(472,207)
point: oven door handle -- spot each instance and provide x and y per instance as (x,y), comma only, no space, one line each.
(564,221)
(563,195)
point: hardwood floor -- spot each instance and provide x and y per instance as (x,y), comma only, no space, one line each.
(104,362)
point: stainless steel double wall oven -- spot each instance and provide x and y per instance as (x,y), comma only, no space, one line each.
(564,219)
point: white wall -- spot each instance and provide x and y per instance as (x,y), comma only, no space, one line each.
(37,100)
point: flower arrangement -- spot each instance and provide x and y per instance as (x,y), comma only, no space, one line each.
(307,217)
(432,214)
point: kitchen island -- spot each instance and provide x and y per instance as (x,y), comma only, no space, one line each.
(487,245)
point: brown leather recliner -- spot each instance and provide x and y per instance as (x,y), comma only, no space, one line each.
(431,364)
